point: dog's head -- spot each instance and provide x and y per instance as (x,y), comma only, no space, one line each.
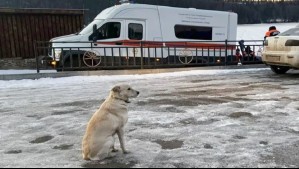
(124,92)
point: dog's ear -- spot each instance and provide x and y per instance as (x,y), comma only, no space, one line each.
(116,89)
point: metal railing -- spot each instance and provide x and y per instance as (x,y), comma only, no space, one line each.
(70,56)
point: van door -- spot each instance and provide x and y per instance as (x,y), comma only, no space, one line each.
(108,36)
(135,33)
(135,30)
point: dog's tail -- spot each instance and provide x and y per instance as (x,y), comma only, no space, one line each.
(86,153)
(86,157)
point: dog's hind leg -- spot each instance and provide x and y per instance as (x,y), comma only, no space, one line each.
(90,155)
(92,149)
(113,149)
(89,150)
(106,149)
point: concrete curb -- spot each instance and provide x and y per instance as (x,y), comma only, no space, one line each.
(119,72)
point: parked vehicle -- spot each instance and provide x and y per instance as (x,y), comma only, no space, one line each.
(127,27)
(281,52)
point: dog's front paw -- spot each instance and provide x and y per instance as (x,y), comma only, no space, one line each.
(126,152)
(114,150)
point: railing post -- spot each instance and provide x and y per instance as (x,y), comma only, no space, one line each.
(141,50)
(36,57)
(226,47)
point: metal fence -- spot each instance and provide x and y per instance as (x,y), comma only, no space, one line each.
(70,56)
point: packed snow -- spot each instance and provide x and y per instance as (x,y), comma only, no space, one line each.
(199,118)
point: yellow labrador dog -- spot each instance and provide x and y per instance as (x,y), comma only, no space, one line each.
(109,120)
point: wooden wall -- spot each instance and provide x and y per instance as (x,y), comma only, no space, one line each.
(20,28)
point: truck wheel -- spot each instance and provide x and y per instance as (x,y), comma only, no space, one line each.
(185,56)
(279,69)
(92,58)
(71,61)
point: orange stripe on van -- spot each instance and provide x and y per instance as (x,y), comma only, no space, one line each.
(154,44)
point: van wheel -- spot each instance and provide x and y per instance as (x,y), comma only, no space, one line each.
(279,69)
(92,58)
(185,56)
(72,61)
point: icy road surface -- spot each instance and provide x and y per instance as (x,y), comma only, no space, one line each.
(204,118)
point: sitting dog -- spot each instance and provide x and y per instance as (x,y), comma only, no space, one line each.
(109,120)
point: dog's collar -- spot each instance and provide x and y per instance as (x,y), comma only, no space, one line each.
(126,101)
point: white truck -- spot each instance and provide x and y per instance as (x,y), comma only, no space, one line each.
(128,26)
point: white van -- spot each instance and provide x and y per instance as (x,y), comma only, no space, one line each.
(129,25)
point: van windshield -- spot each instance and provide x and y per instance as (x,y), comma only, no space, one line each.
(89,28)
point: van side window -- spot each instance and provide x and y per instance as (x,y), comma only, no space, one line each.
(109,30)
(193,32)
(135,31)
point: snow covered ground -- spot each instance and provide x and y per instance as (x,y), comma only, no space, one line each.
(27,71)
(203,118)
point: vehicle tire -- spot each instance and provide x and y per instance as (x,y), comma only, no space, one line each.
(185,56)
(92,58)
(68,63)
(279,69)
(74,61)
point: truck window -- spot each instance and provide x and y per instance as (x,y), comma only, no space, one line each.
(193,32)
(135,31)
(109,30)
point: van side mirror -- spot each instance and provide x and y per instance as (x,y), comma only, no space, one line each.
(94,28)
(94,39)
(95,33)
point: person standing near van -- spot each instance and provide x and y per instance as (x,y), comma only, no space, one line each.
(272,32)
